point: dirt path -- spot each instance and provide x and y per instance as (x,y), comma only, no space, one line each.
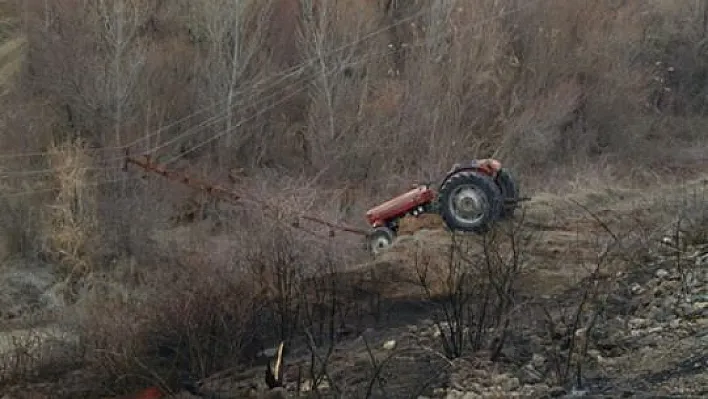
(565,237)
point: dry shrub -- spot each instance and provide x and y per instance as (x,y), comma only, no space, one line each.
(584,78)
(545,133)
(71,221)
(693,218)
(36,354)
(284,265)
(95,60)
(199,314)
(475,290)
(18,236)
(190,321)
(277,268)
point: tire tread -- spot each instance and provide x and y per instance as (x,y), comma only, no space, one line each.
(490,188)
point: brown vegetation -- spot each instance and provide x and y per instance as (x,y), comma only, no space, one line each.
(325,107)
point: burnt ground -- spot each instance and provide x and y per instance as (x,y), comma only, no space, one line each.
(641,332)
(639,347)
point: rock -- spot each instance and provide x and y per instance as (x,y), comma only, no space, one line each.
(659,292)
(637,289)
(693,310)
(537,390)
(454,394)
(538,361)
(654,330)
(480,374)
(638,323)
(669,302)
(307,385)
(512,384)
(662,273)
(676,323)
(531,375)
(389,345)
(499,379)
(475,387)
(689,280)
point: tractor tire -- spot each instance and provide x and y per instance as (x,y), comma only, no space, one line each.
(509,191)
(380,239)
(482,198)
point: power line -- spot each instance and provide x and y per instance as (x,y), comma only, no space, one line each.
(217,118)
(49,190)
(336,68)
(48,171)
(281,76)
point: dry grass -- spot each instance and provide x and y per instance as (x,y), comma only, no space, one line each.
(11,52)
(71,229)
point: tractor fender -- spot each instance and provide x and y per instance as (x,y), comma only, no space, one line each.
(489,167)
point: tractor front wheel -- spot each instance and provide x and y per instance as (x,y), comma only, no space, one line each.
(380,239)
(469,201)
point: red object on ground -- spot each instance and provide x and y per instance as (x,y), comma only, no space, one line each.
(399,206)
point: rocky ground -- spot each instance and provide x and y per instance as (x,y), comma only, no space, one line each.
(650,340)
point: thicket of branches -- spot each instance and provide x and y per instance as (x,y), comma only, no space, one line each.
(363,91)
(349,95)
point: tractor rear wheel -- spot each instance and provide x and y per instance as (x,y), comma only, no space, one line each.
(380,239)
(509,191)
(469,201)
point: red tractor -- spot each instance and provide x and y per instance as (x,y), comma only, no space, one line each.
(471,198)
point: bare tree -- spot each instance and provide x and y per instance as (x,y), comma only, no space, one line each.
(231,34)
(343,61)
(475,288)
(91,58)
(120,21)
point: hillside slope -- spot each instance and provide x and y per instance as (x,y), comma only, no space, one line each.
(560,256)
(112,279)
